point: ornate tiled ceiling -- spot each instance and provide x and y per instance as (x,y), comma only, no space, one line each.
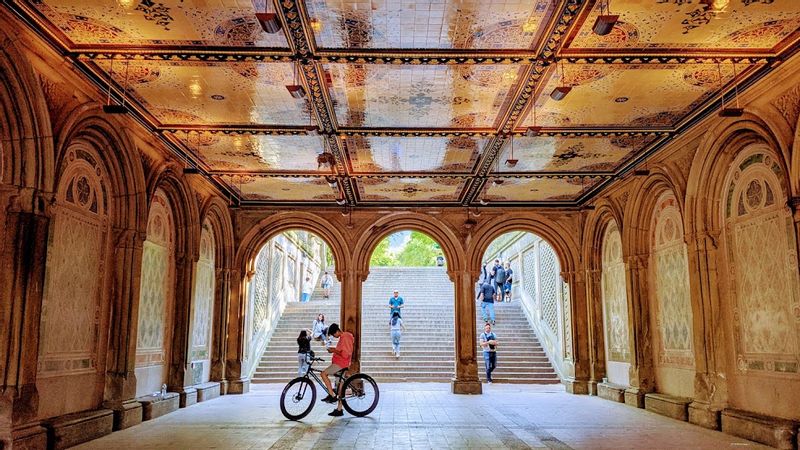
(418,102)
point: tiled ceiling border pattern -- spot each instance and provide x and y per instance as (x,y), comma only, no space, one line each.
(440,118)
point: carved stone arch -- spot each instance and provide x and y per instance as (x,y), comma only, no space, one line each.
(794,172)
(594,230)
(440,232)
(266,229)
(557,236)
(215,211)
(638,211)
(26,149)
(87,128)
(710,166)
(185,209)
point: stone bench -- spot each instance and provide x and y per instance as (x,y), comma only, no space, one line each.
(668,405)
(778,433)
(207,391)
(610,391)
(73,429)
(156,406)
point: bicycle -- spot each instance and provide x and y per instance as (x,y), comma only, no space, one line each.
(359,393)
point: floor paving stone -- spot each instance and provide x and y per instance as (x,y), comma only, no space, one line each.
(422,416)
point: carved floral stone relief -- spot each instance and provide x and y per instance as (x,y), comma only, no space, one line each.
(615,301)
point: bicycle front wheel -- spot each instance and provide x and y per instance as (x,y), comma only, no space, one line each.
(298,398)
(361,395)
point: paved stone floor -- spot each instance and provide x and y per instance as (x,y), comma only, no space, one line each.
(423,415)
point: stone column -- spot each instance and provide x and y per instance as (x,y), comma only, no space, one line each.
(22,258)
(350,310)
(222,288)
(466,380)
(710,386)
(641,371)
(578,369)
(238,383)
(120,383)
(595,331)
(180,378)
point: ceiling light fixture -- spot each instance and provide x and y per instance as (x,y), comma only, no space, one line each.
(332,182)
(512,162)
(341,201)
(316,25)
(534,130)
(111,108)
(561,91)
(641,172)
(728,111)
(191,170)
(605,22)
(295,89)
(269,20)
(716,5)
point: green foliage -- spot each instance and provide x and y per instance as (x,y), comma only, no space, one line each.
(382,257)
(419,251)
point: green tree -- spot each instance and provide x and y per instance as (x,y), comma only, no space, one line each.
(382,257)
(420,251)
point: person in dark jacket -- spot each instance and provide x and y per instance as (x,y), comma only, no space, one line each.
(509,281)
(303,348)
(499,280)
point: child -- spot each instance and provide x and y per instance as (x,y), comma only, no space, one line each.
(303,347)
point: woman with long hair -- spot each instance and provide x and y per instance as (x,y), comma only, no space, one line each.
(303,348)
(319,331)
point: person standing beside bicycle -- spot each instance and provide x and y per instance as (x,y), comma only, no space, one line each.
(342,356)
(303,348)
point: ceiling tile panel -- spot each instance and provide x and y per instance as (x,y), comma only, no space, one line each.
(435,96)
(206,93)
(572,153)
(258,153)
(684,24)
(627,95)
(282,189)
(195,23)
(537,189)
(413,154)
(410,189)
(445,24)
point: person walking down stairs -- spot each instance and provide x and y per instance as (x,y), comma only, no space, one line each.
(326,282)
(489,344)
(396,328)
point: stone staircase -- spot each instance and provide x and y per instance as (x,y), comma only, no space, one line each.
(427,348)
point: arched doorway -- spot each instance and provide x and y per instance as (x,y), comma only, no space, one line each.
(284,295)
(408,270)
(520,282)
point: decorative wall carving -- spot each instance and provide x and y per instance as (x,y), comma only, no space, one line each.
(75,267)
(761,251)
(204,295)
(615,300)
(671,293)
(789,105)
(549,285)
(156,284)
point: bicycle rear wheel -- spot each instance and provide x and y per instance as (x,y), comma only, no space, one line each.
(298,398)
(361,395)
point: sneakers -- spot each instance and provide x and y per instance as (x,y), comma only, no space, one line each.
(336,413)
(493,322)
(329,399)
(490,381)
(397,355)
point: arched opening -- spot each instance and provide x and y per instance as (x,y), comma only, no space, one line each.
(522,303)
(293,281)
(407,311)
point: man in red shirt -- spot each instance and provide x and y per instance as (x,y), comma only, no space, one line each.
(341,360)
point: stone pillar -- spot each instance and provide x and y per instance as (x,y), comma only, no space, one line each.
(22,258)
(222,287)
(180,378)
(594,330)
(350,310)
(238,383)
(641,372)
(579,367)
(120,383)
(466,380)
(710,386)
